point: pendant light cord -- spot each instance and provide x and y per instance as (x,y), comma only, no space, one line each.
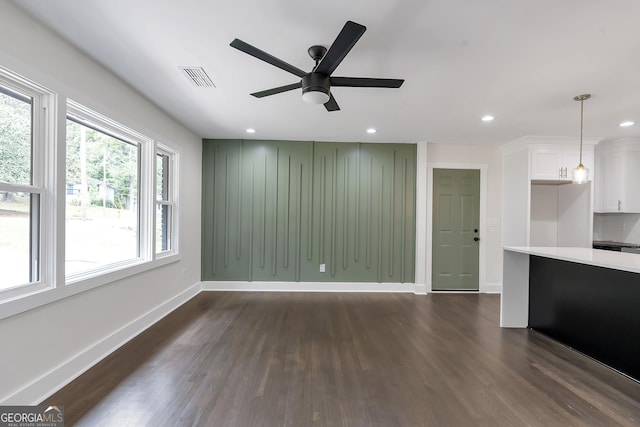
(581,121)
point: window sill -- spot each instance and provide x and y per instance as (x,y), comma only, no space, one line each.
(37,298)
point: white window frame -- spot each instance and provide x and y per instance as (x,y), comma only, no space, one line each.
(50,112)
(146,180)
(43,155)
(171,200)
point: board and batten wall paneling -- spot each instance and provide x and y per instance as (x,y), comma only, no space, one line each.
(277,210)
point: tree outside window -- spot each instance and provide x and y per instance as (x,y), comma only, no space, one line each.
(19,199)
(101,198)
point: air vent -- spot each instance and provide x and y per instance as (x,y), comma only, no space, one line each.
(197,76)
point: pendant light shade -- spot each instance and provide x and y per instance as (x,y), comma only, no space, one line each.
(580,174)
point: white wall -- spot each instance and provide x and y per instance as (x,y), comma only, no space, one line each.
(516,195)
(544,215)
(42,346)
(617,227)
(481,155)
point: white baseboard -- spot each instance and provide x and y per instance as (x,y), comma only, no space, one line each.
(309,286)
(487,288)
(421,289)
(491,288)
(54,380)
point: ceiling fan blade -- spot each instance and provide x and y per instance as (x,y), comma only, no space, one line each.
(276,90)
(348,37)
(365,82)
(331,104)
(264,56)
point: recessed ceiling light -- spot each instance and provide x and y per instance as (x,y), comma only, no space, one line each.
(371,130)
(487,118)
(251,130)
(625,124)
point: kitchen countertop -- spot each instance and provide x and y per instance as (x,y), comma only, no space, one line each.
(597,257)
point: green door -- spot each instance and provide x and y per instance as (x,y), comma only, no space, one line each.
(456,221)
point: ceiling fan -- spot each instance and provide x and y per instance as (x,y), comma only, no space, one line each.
(316,85)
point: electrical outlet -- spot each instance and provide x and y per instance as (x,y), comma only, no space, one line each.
(323,268)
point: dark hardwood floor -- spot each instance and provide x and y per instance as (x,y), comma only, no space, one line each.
(302,359)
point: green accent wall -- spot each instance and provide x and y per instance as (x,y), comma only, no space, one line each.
(276,210)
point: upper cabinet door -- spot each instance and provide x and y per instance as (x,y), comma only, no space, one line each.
(631,181)
(547,164)
(612,176)
(550,164)
(618,176)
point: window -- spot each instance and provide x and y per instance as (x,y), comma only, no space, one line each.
(164,200)
(23,182)
(110,213)
(104,228)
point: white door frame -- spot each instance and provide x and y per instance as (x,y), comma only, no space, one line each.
(482,167)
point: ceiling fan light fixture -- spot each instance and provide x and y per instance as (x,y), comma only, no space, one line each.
(315,88)
(315,95)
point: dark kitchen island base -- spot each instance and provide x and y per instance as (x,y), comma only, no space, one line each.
(595,310)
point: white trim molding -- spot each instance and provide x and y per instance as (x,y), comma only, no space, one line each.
(483,168)
(491,288)
(421,289)
(309,286)
(421,253)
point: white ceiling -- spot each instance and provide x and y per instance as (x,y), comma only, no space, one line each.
(520,61)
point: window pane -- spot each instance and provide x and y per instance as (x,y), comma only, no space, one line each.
(163,214)
(162,177)
(19,238)
(101,199)
(15,138)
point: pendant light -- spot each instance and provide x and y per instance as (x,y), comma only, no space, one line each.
(580,174)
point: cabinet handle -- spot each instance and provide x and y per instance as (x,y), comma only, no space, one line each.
(565,172)
(619,205)
(560,172)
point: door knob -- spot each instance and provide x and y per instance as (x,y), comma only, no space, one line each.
(476,239)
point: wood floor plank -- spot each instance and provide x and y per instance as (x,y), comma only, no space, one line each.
(311,359)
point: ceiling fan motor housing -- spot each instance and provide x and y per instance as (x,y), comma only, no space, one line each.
(315,88)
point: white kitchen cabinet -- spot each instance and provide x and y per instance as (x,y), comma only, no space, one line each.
(618,186)
(540,205)
(556,163)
